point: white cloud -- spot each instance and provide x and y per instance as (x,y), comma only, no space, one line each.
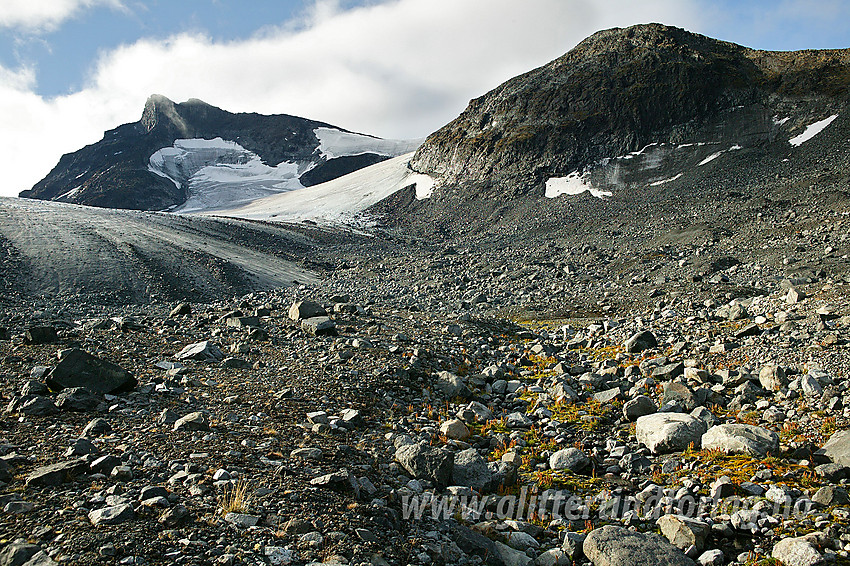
(400,68)
(38,16)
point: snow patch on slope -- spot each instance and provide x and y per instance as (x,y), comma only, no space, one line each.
(811,131)
(339,200)
(335,143)
(219,173)
(573,184)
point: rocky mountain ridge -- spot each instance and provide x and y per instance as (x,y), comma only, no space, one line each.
(621,90)
(117,172)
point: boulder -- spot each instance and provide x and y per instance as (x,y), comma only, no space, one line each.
(617,546)
(451,386)
(77,368)
(797,552)
(41,335)
(571,459)
(192,421)
(669,432)
(746,439)
(772,377)
(112,515)
(471,470)
(641,341)
(78,400)
(319,326)
(684,532)
(56,474)
(837,448)
(454,429)
(301,310)
(200,351)
(639,407)
(424,462)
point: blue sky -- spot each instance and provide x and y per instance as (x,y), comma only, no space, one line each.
(70,69)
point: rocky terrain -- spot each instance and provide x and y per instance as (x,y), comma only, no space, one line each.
(485,376)
(268,429)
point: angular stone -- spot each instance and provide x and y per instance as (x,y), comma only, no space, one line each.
(424,462)
(41,335)
(608,395)
(471,470)
(34,405)
(684,532)
(242,520)
(837,448)
(454,429)
(451,386)
(752,440)
(319,326)
(77,368)
(617,546)
(180,309)
(301,310)
(243,322)
(56,474)
(77,399)
(200,351)
(639,407)
(772,377)
(681,393)
(193,421)
(97,427)
(831,495)
(112,515)
(641,341)
(669,432)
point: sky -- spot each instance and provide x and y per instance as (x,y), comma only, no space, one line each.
(72,69)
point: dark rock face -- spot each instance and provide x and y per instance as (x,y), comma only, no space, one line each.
(77,368)
(113,173)
(615,93)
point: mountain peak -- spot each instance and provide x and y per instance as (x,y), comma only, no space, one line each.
(162,110)
(616,92)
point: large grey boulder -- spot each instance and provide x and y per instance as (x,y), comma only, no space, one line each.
(571,459)
(424,462)
(837,448)
(511,556)
(746,439)
(669,432)
(684,532)
(471,470)
(301,310)
(797,552)
(641,341)
(77,368)
(451,386)
(617,546)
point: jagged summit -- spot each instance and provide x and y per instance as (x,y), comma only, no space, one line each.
(193,152)
(622,89)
